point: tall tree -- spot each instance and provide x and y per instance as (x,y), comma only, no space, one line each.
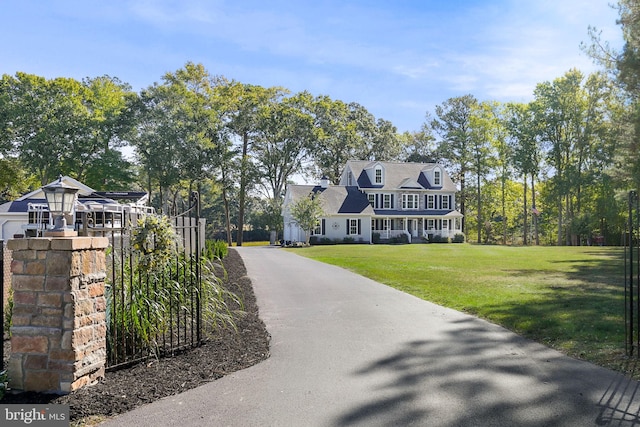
(624,68)
(336,140)
(453,124)
(386,144)
(283,141)
(484,129)
(177,133)
(420,146)
(501,160)
(574,127)
(526,154)
(63,126)
(242,117)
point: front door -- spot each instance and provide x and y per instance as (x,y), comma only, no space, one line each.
(414,228)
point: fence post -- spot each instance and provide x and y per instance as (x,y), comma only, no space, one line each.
(58,331)
(195,202)
(632,277)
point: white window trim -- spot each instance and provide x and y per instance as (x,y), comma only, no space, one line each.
(317,231)
(445,201)
(431,201)
(378,179)
(437,177)
(386,197)
(353,227)
(410,201)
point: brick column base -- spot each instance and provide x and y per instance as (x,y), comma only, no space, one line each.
(58,332)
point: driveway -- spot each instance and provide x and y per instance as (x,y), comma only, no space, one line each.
(348,351)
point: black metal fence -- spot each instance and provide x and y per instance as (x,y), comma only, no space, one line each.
(154,311)
(632,277)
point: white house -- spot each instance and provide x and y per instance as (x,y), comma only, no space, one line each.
(28,215)
(416,200)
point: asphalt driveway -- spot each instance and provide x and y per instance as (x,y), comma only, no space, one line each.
(348,351)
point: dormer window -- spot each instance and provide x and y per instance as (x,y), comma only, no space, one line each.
(437,178)
(378,177)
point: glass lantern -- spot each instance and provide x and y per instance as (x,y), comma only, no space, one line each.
(61,199)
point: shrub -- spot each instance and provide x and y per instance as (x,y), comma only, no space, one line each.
(458,238)
(375,237)
(8,312)
(398,240)
(326,241)
(439,239)
(215,249)
(348,239)
(4,379)
(156,287)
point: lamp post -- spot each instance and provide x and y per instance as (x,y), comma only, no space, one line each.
(61,198)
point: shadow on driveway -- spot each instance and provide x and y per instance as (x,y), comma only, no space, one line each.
(425,376)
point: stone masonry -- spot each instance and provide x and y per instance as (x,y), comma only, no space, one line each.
(58,332)
(6,271)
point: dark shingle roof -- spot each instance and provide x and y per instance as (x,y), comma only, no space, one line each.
(396,173)
(355,202)
(335,199)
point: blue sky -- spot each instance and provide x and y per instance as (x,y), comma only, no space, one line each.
(398,58)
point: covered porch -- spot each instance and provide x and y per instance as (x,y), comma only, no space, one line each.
(417,228)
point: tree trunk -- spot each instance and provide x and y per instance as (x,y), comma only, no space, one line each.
(227,216)
(243,187)
(463,224)
(479,209)
(525,231)
(560,221)
(535,215)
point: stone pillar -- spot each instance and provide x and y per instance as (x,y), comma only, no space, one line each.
(6,271)
(58,332)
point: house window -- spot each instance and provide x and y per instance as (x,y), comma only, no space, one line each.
(353,226)
(319,230)
(431,201)
(445,202)
(437,178)
(372,199)
(409,201)
(349,179)
(378,175)
(386,201)
(431,224)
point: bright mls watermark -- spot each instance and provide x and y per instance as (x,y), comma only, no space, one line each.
(34,415)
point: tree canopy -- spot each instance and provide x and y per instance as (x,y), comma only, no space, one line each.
(553,170)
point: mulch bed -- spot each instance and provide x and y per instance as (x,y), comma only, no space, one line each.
(226,350)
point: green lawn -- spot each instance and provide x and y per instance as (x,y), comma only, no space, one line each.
(569,298)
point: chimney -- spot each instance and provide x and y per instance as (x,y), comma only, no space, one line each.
(324,182)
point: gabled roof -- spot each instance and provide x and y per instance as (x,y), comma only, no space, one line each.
(335,199)
(19,205)
(83,190)
(86,196)
(397,174)
(410,183)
